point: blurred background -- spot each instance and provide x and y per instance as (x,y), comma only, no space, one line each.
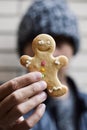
(11,12)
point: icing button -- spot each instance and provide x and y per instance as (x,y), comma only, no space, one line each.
(42,69)
(43,63)
(43,75)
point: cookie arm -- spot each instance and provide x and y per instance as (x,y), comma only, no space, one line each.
(25,60)
(61,61)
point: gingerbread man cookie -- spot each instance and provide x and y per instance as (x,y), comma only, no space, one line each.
(43,46)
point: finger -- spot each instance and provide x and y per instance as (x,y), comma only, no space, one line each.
(19,120)
(12,126)
(25,107)
(20,96)
(32,120)
(19,82)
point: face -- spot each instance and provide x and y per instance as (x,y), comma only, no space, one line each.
(43,43)
(28,50)
(64,49)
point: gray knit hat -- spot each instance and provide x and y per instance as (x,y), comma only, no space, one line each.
(48,16)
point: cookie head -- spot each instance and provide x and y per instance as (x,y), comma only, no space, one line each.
(43,43)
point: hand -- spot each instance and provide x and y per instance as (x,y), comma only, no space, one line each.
(19,96)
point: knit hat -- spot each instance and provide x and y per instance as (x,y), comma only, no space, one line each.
(48,16)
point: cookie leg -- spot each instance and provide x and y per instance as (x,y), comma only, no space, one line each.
(57,91)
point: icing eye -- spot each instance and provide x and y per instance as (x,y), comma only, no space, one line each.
(41,42)
(48,42)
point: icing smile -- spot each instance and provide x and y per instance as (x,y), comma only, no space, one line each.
(44,46)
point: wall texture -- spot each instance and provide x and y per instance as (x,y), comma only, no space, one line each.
(11,12)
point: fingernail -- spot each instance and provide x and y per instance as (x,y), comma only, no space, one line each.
(43,95)
(38,75)
(43,106)
(43,84)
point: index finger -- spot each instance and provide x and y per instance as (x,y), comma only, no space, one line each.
(18,83)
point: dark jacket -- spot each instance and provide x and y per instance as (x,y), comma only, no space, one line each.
(48,121)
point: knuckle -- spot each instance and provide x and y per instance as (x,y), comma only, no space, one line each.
(16,97)
(27,79)
(13,85)
(19,110)
(36,87)
(29,124)
(37,99)
(39,115)
(39,86)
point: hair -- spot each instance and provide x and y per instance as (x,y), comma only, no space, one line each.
(53,18)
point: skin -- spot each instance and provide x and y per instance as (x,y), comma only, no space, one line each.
(17,97)
(25,91)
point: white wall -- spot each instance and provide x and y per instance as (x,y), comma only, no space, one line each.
(11,12)
(78,68)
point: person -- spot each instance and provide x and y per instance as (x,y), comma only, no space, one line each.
(54,17)
(17,97)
